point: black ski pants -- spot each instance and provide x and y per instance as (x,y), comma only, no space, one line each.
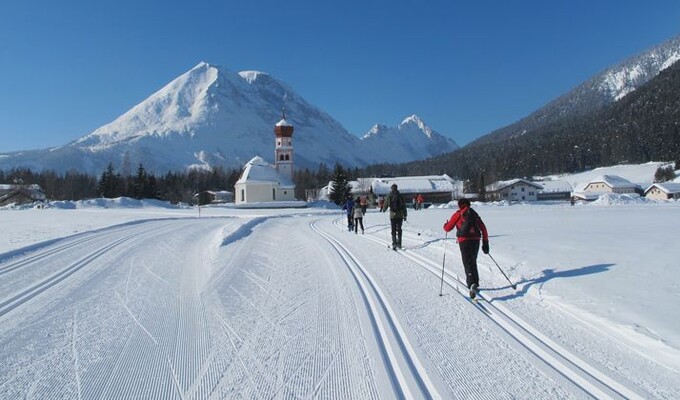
(468,251)
(396,230)
(358,222)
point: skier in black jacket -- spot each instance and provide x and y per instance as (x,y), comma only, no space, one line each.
(395,202)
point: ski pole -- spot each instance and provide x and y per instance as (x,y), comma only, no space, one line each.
(441,287)
(506,277)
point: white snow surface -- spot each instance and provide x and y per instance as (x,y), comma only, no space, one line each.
(140,299)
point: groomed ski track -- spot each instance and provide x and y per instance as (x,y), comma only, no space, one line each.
(575,370)
(236,308)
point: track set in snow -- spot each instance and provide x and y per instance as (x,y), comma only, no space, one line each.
(267,307)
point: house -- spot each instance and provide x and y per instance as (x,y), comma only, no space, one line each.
(554,190)
(434,188)
(611,184)
(262,184)
(20,194)
(663,191)
(219,196)
(513,190)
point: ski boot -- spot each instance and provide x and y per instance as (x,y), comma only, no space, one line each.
(474,289)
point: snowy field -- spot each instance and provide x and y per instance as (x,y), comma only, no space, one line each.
(124,299)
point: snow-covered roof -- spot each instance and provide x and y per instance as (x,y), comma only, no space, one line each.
(499,185)
(666,187)
(555,186)
(15,186)
(283,122)
(614,181)
(415,184)
(258,170)
(586,195)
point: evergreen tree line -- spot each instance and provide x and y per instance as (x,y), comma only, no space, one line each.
(174,187)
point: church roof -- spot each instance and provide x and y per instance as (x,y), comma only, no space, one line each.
(258,170)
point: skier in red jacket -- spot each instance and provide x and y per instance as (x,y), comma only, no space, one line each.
(469,230)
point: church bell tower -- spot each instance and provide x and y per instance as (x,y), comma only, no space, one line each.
(283,152)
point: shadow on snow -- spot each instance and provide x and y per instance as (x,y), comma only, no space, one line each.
(547,275)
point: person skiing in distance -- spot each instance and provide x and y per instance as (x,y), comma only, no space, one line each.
(397,206)
(348,207)
(419,201)
(469,230)
(358,216)
(364,204)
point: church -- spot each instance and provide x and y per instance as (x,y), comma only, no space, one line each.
(264,185)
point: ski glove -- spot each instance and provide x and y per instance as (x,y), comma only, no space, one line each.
(485,246)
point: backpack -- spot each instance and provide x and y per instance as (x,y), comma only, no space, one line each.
(470,225)
(396,202)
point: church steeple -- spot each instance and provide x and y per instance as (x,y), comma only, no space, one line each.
(283,151)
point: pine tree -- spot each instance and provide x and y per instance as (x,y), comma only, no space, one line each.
(110,184)
(139,183)
(664,174)
(482,188)
(341,189)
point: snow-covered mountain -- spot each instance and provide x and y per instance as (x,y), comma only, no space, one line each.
(602,89)
(210,116)
(411,140)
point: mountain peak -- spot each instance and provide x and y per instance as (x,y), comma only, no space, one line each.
(416,140)
(210,116)
(418,122)
(252,76)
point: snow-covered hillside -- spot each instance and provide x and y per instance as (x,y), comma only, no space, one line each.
(600,90)
(639,174)
(211,116)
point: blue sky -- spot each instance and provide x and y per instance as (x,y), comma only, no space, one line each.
(466,68)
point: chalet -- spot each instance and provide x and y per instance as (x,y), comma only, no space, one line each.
(20,194)
(663,191)
(611,184)
(219,196)
(434,188)
(513,190)
(554,190)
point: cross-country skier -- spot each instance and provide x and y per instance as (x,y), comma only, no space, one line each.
(395,202)
(348,207)
(469,230)
(358,217)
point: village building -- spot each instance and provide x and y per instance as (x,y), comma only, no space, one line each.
(513,190)
(219,196)
(663,191)
(611,184)
(263,184)
(554,190)
(21,194)
(435,189)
